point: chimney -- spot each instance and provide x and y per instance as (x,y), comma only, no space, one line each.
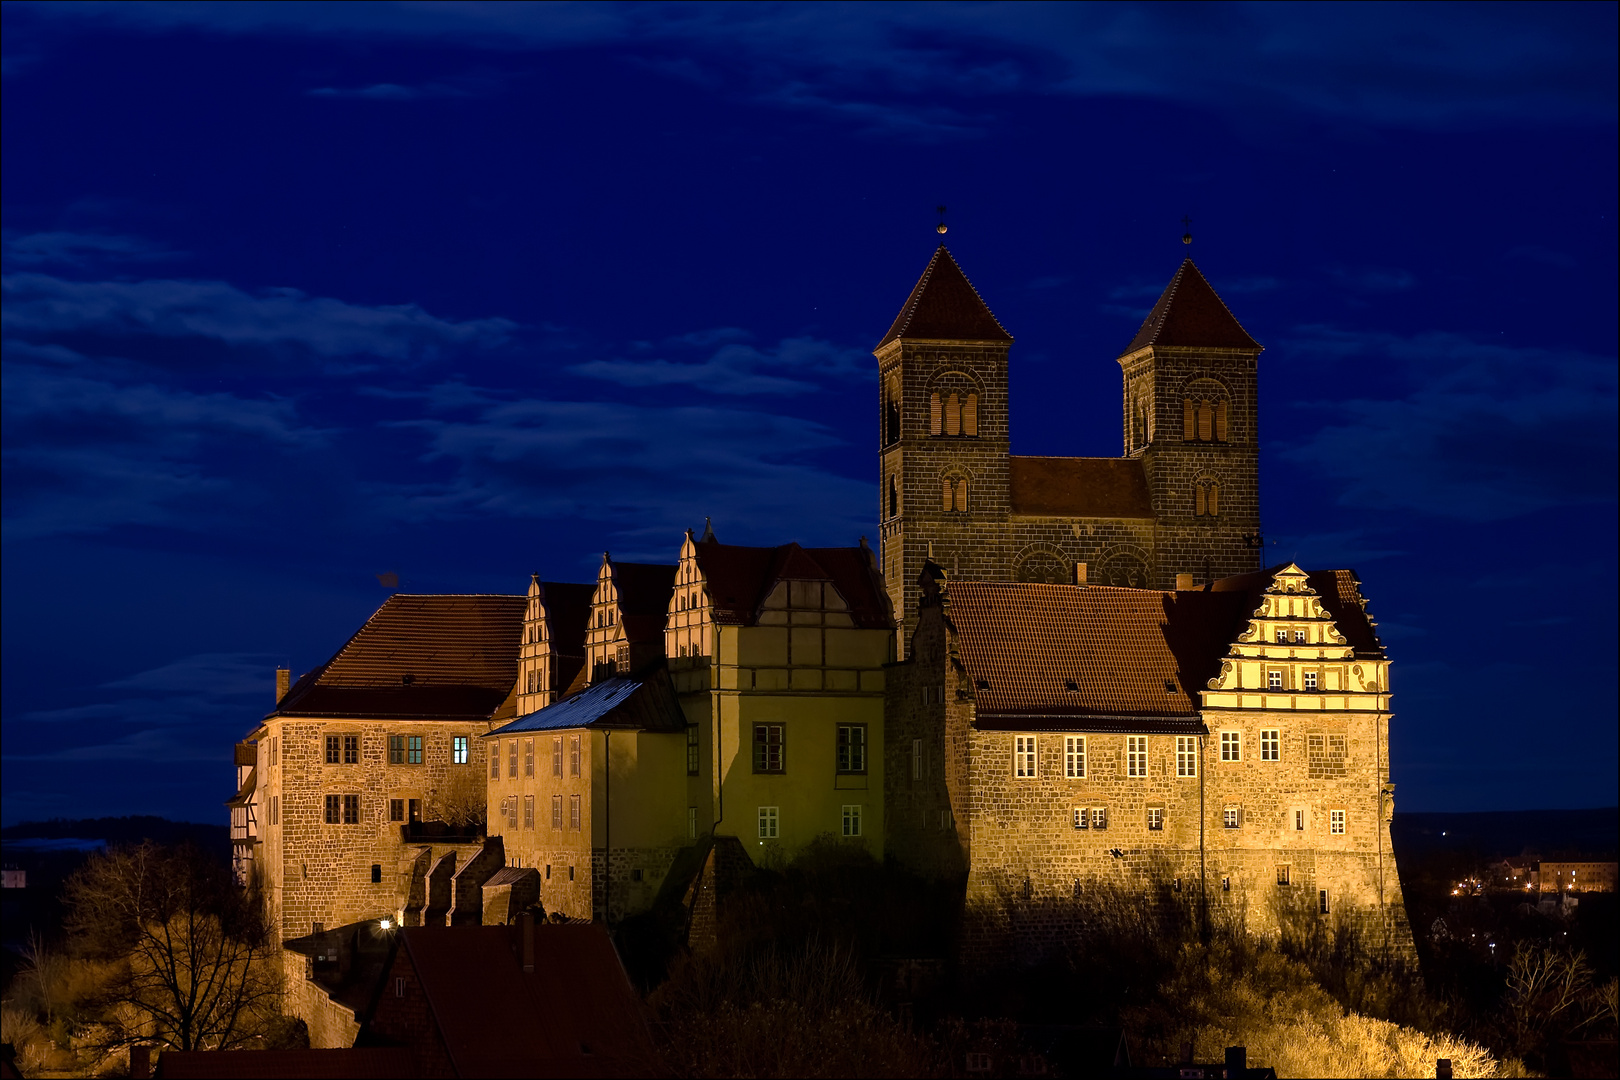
(283,683)
(1442,1068)
(140,1062)
(1237,1062)
(1079,573)
(526,922)
(1184,582)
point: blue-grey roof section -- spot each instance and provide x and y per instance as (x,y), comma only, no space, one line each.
(647,703)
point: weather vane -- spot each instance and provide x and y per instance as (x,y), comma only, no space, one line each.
(940,228)
(1186,237)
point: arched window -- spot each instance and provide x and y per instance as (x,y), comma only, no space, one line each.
(891,410)
(1203,413)
(953,415)
(953,494)
(953,406)
(947,487)
(1206,498)
(936,416)
(961,496)
(894,496)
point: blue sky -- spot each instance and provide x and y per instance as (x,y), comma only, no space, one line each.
(297,295)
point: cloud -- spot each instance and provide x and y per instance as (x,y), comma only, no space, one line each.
(1488,433)
(80,249)
(1373,278)
(1411,66)
(387,92)
(736,368)
(38,305)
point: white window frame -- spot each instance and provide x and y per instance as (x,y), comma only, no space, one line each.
(770,822)
(1299,637)
(1336,822)
(1136,755)
(1274,679)
(1282,636)
(1271,744)
(1231,746)
(1310,681)
(1099,817)
(1187,755)
(1155,819)
(1026,757)
(852,819)
(1082,818)
(1074,757)
(1232,817)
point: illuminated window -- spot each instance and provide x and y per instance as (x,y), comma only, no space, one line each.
(1024,757)
(1074,757)
(1082,818)
(1232,817)
(1310,680)
(1274,680)
(1282,636)
(1336,822)
(770,822)
(413,750)
(770,748)
(1271,745)
(1155,818)
(1231,746)
(1136,755)
(852,820)
(691,749)
(1099,817)
(1186,755)
(852,749)
(461,750)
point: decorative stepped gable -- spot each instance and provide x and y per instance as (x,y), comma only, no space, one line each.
(1189,313)
(945,305)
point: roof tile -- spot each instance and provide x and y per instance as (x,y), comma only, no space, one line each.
(1190,313)
(944,304)
(1079,487)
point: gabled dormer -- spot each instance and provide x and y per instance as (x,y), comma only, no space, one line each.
(552,652)
(687,632)
(627,617)
(1293,653)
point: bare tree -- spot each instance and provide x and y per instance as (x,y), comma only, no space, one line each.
(460,799)
(1545,989)
(189,950)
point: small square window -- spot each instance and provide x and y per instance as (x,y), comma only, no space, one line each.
(1310,680)
(1271,745)
(1155,818)
(852,820)
(1231,817)
(770,822)
(1299,636)
(461,749)
(1274,680)
(1099,817)
(1336,822)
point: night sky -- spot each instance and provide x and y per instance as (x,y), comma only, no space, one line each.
(297,296)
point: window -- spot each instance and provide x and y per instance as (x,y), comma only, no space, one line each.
(334,750)
(936,415)
(1136,755)
(1336,822)
(1299,636)
(413,811)
(1074,757)
(768,755)
(1156,818)
(1082,818)
(1186,755)
(573,812)
(852,751)
(1099,817)
(691,823)
(396,749)
(1024,761)
(351,809)
(495,760)
(351,749)
(1226,884)
(334,809)
(1310,680)
(376,873)
(1323,906)
(275,755)
(1274,680)
(1299,820)
(1271,745)
(396,809)
(556,811)
(1282,875)
(528,811)
(1206,498)
(1204,419)
(691,749)
(1231,746)
(573,755)
(916,759)
(970,416)
(556,755)
(1282,635)
(414,750)
(528,757)
(1232,817)
(770,822)
(275,809)
(460,750)
(852,821)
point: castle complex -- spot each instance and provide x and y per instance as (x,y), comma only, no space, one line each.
(1054,675)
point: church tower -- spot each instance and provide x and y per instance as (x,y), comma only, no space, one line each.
(1191,417)
(943,436)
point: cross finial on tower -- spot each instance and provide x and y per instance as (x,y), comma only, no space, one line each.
(940,228)
(1186,222)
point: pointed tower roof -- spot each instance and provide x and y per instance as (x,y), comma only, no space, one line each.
(1190,313)
(945,304)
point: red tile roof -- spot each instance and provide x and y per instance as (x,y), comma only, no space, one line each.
(421,657)
(644,591)
(1340,592)
(944,304)
(1079,487)
(576,1014)
(1025,645)
(381,1062)
(568,611)
(1190,313)
(740,578)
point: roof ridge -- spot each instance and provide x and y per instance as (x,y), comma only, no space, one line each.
(908,311)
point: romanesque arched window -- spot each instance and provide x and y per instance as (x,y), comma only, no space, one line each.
(936,415)
(953,406)
(891,409)
(1204,411)
(894,496)
(953,494)
(970,415)
(1206,498)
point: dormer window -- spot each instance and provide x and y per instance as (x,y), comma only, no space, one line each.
(1299,635)
(1282,636)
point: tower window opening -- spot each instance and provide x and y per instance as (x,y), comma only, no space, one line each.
(970,416)
(894,496)
(936,415)
(953,415)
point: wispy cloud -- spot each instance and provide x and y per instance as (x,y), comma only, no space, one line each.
(1375,279)
(1489,433)
(80,249)
(736,368)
